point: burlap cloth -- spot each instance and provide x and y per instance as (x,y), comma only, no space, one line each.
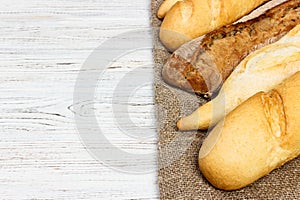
(178,174)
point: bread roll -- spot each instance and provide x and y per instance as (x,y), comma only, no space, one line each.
(222,50)
(189,19)
(257,137)
(260,71)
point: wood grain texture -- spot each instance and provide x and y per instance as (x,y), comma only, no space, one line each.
(43,45)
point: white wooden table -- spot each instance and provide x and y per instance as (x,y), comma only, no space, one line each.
(43,46)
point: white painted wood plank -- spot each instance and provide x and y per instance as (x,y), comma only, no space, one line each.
(43,45)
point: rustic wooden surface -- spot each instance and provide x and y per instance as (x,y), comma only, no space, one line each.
(43,45)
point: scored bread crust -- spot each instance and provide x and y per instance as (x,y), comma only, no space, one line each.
(222,50)
(257,137)
(259,71)
(189,19)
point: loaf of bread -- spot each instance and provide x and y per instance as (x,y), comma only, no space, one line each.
(260,71)
(257,137)
(188,19)
(220,51)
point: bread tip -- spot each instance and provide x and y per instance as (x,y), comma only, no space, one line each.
(165,7)
(160,14)
(185,124)
(179,124)
(172,39)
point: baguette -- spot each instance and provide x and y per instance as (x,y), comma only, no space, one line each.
(222,50)
(188,19)
(259,71)
(257,137)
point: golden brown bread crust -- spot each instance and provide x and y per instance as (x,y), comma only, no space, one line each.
(259,71)
(189,19)
(257,137)
(165,7)
(222,50)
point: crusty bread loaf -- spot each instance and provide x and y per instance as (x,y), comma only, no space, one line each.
(260,71)
(222,50)
(257,137)
(189,19)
